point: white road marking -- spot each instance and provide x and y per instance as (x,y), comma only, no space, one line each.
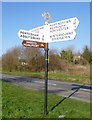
(83,89)
(43,83)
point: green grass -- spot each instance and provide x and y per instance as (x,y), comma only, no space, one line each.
(30,74)
(70,78)
(0,99)
(55,76)
(18,102)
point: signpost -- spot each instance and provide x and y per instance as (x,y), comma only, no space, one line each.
(40,37)
(47,18)
(63,25)
(46,81)
(33,44)
(62,36)
(31,36)
(38,29)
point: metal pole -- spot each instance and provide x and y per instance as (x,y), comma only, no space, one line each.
(47,18)
(46,80)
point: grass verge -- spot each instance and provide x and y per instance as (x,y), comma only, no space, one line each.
(54,76)
(0,99)
(18,102)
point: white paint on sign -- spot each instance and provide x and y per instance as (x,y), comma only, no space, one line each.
(54,32)
(46,38)
(32,36)
(64,25)
(44,31)
(62,36)
(38,29)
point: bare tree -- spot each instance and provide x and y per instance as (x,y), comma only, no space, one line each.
(54,61)
(10,59)
(0,63)
(34,58)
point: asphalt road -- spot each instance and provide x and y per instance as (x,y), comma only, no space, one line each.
(65,89)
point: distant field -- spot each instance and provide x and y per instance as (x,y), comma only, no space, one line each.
(18,102)
(55,76)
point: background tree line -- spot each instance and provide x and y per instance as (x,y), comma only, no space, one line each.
(32,59)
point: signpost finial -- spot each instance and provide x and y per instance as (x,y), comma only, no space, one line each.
(47,17)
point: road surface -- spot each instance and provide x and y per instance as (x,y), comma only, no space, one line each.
(65,89)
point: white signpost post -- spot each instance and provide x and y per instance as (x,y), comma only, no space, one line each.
(40,37)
